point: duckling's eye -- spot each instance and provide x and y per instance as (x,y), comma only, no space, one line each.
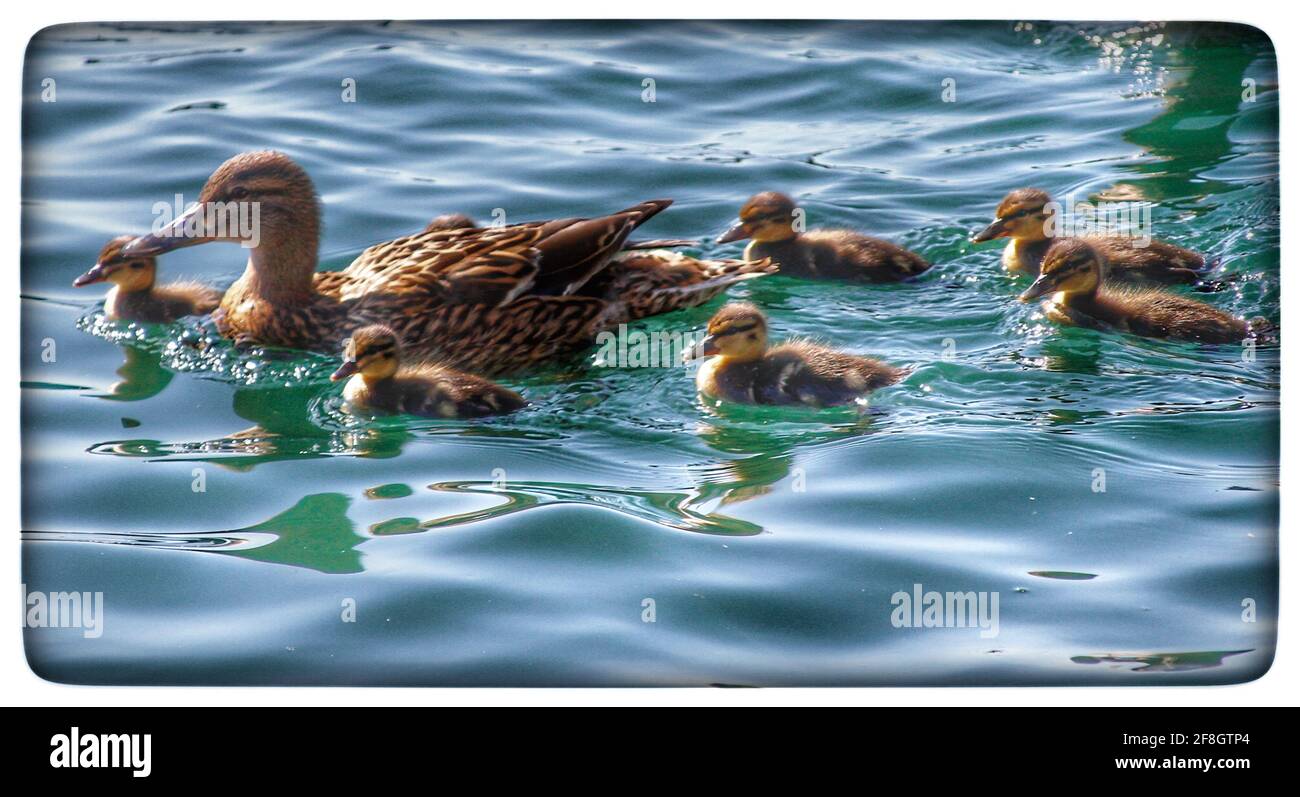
(137,264)
(239,192)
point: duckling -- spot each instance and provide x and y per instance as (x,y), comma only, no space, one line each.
(135,297)
(1074,271)
(768,218)
(489,300)
(745,370)
(1023,214)
(378,381)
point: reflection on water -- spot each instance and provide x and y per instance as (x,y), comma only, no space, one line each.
(143,376)
(688,510)
(1165,662)
(314,533)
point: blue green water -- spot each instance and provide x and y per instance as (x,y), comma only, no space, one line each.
(523,550)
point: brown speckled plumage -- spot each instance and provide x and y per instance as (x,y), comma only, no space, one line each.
(490,300)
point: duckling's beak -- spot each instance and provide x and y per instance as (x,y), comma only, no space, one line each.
(997,229)
(348,368)
(707,347)
(1041,287)
(738,232)
(97,273)
(185,230)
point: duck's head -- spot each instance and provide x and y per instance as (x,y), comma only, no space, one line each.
(767,217)
(1070,267)
(373,352)
(258,199)
(129,274)
(1022,215)
(736,332)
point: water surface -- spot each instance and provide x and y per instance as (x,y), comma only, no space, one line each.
(525,550)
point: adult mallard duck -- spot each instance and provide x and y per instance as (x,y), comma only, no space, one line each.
(489,300)
(135,296)
(744,369)
(1074,274)
(377,380)
(1023,217)
(769,219)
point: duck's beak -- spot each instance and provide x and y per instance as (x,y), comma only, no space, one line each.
(707,347)
(185,230)
(97,273)
(997,229)
(1041,287)
(738,232)
(348,368)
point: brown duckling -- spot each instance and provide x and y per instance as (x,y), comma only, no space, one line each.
(489,300)
(379,381)
(1074,273)
(1023,214)
(743,369)
(135,297)
(769,220)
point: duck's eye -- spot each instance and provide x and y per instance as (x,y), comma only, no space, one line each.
(137,264)
(239,192)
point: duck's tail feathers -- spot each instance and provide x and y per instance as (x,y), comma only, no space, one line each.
(572,251)
(638,298)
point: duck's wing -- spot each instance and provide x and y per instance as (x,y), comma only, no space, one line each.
(465,265)
(574,250)
(496,265)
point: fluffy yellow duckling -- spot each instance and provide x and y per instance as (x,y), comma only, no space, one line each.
(768,219)
(372,359)
(1022,216)
(743,369)
(135,297)
(1074,272)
